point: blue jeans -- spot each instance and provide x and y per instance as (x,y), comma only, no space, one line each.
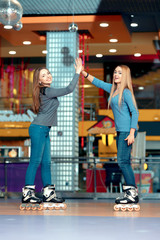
(124,158)
(40,154)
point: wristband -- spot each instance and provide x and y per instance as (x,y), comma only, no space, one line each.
(87,75)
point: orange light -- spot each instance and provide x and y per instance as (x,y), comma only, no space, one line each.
(42,38)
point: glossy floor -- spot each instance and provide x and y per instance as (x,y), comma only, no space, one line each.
(83,219)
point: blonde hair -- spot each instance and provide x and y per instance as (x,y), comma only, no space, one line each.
(126,82)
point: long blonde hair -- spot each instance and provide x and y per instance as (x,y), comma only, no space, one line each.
(126,82)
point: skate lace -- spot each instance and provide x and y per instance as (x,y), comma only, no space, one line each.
(129,194)
(52,196)
(31,193)
(125,195)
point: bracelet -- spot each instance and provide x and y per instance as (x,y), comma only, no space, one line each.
(87,75)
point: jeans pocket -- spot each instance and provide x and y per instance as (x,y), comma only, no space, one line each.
(125,135)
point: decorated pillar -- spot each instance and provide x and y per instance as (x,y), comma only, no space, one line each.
(62,48)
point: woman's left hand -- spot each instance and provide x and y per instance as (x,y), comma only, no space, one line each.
(130,139)
(78,65)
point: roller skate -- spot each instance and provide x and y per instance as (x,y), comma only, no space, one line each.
(51,201)
(29,200)
(129,201)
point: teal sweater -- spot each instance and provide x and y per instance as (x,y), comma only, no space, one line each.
(125,116)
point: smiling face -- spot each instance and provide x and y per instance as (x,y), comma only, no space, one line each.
(45,77)
(117,75)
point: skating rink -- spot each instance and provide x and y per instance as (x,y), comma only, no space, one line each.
(82,220)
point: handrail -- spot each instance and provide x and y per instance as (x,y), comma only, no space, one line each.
(80,160)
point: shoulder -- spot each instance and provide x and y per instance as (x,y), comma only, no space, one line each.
(43,90)
(127,95)
(47,90)
(127,92)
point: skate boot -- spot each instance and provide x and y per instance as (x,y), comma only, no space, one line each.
(50,200)
(129,201)
(29,200)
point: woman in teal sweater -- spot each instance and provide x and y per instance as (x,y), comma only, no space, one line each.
(123,104)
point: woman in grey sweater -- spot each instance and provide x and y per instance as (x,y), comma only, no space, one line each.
(45,105)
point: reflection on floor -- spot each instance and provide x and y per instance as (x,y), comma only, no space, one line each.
(83,219)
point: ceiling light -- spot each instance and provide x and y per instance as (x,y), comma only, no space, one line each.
(103,24)
(112,50)
(8,26)
(99,55)
(141,88)
(42,38)
(12,52)
(137,54)
(44,51)
(113,40)
(26,42)
(134,24)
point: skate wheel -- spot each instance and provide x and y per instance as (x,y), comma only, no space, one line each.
(22,207)
(51,208)
(137,208)
(116,208)
(130,209)
(45,208)
(57,207)
(40,207)
(123,209)
(64,206)
(34,208)
(28,207)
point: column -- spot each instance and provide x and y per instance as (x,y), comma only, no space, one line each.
(62,48)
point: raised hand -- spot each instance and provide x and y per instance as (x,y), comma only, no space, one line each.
(78,65)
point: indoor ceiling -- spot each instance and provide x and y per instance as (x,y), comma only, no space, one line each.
(56,15)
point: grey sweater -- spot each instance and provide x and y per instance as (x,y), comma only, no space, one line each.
(47,115)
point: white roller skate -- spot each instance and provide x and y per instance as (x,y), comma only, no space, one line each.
(50,200)
(29,200)
(129,201)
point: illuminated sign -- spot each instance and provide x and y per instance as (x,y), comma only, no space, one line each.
(8,116)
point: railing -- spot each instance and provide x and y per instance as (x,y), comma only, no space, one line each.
(20,106)
(89,112)
(91,176)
